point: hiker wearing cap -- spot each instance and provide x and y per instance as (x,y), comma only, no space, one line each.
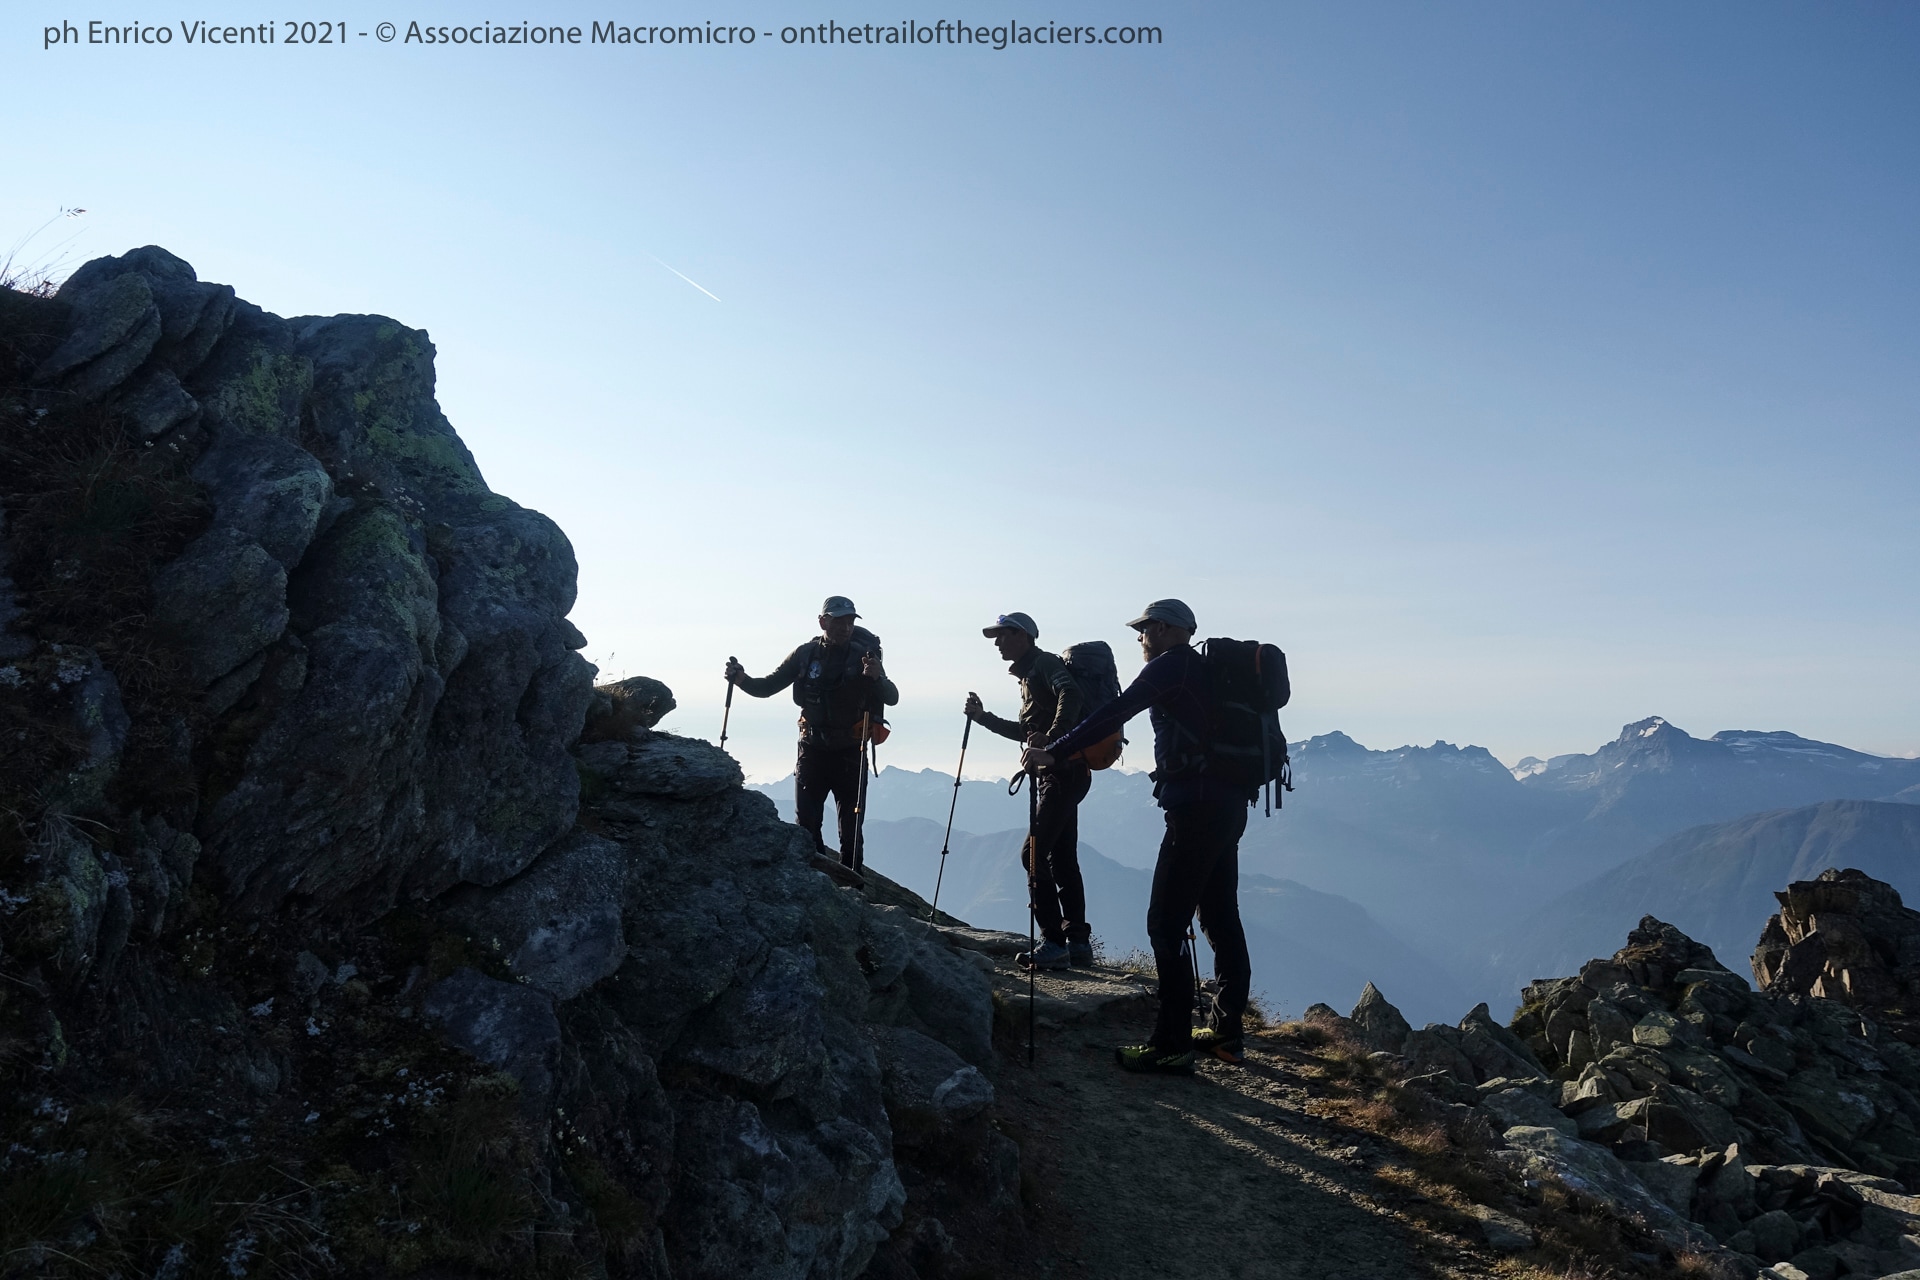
(1050,704)
(1199,863)
(840,685)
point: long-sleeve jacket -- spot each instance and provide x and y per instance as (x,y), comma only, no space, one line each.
(829,689)
(1049,699)
(1176,690)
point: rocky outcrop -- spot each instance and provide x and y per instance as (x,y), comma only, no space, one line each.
(388,673)
(389,879)
(1780,1128)
(1844,937)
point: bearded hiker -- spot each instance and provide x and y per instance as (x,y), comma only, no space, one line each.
(1199,862)
(1050,704)
(840,685)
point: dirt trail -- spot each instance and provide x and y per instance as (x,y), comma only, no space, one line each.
(1230,1174)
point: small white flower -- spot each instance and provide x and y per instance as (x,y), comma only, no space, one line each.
(262,1009)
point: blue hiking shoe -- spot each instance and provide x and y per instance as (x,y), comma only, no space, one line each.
(1048,955)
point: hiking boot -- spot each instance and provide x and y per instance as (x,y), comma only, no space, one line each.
(1224,1045)
(1048,955)
(1080,953)
(1147,1059)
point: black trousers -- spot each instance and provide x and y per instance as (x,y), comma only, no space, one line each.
(821,770)
(1199,869)
(1052,854)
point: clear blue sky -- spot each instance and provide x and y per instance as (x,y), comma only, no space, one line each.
(1522,369)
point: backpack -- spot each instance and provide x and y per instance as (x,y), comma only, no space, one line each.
(1249,686)
(827,701)
(1091,665)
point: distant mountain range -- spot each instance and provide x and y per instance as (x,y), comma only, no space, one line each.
(1716,883)
(1305,945)
(1444,847)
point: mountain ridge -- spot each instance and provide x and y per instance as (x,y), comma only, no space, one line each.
(1717,882)
(1443,845)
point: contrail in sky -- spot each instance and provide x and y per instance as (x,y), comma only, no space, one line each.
(690,280)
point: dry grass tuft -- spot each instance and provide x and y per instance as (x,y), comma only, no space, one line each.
(1304,1035)
(1132,960)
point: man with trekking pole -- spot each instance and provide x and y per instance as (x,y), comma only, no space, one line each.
(1050,704)
(1205,775)
(841,687)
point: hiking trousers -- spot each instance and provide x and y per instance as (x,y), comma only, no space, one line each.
(1052,854)
(1199,870)
(829,769)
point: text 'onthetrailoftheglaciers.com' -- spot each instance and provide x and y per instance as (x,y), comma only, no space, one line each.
(296,32)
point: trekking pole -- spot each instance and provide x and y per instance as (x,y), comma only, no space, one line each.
(1033,861)
(860,795)
(953,805)
(1193,953)
(1031,967)
(727,715)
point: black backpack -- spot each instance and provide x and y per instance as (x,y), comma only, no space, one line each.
(1091,665)
(1249,686)
(835,699)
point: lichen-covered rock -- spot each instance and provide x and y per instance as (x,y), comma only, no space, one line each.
(363,753)
(660,764)
(1512,1108)
(267,489)
(1671,1180)
(558,923)
(752,981)
(224,599)
(927,1084)
(384,640)
(946,995)
(155,403)
(116,327)
(505,1026)
(1592,1174)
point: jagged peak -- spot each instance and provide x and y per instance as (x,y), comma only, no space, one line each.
(1334,741)
(1652,727)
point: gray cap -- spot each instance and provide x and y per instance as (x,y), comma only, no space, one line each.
(839,607)
(1013,622)
(1172,612)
